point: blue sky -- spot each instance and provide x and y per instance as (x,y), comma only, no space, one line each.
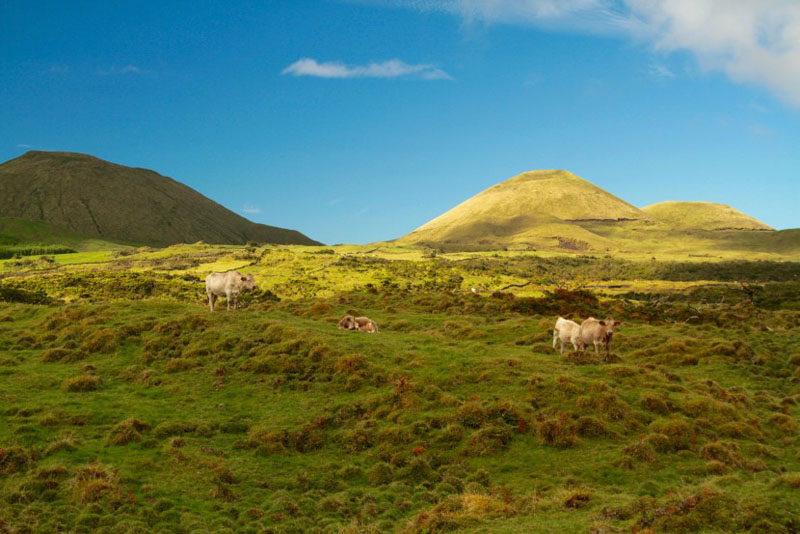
(357,121)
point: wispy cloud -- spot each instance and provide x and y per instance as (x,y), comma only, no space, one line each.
(760,130)
(394,68)
(24,146)
(751,41)
(661,71)
(59,69)
(127,69)
(131,69)
(251,210)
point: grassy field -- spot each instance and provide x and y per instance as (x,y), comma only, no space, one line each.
(126,406)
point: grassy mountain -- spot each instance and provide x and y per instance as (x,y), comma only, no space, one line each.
(19,232)
(536,208)
(558,211)
(703,215)
(98,199)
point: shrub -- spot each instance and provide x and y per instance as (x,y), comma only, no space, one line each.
(678,431)
(783,423)
(558,431)
(81,383)
(379,474)
(471,415)
(351,364)
(173,428)
(126,431)
(14,459)
(655,402)
(488,440)
(95,482)
(100,341)
(641,450)
(659,442)
(177,365)
(56,355)
(590,427)
(727,453)
(577,499)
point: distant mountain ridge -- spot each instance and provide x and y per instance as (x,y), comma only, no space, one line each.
(555,209)
(99,199)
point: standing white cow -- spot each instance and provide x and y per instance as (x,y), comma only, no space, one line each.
(566,331)
(228,284)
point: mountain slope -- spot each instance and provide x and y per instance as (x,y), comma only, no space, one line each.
(529,207)
(703,215)
(99,199)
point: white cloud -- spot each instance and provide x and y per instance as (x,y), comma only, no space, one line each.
(251,210)
(661,71)
(24,146)
(394,68)
(131,69)
(751,41)
(127,69)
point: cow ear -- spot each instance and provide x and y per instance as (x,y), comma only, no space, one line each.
(602,323)
(617,323)
(244,279)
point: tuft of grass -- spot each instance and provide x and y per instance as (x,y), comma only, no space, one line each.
(81,383)
(126,431)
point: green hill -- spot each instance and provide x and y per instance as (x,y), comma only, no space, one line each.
(129,407)
(558,211)
(537,208)
(89,197)
(19,232)
(703,215)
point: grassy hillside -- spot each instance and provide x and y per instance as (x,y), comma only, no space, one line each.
(96,199)
(703,215)
(24,234)
(134,409)
(558,211)
(534,207)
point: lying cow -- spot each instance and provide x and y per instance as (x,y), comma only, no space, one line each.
(228,284)
(348,322)
(597,333)
(364,324)
(566,331)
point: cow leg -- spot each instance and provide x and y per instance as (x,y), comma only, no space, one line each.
(555,335)
(596,351)
(228,297)
(608,351)
(212,298)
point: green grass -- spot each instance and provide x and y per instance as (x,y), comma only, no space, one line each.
(703,215)
(134,409)
(101,200)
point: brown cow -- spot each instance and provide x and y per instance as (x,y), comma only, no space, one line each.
(365,324)
(597,333)
(348,322)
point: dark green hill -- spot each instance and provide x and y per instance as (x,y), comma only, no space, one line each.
(99,199)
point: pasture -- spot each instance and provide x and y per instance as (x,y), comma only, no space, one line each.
(126,406)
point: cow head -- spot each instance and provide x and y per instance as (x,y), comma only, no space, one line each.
(348,322)
(609,325)
(248,282)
